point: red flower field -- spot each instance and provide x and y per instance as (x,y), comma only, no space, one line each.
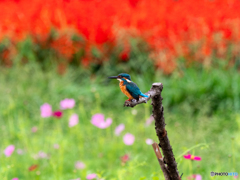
(195,30)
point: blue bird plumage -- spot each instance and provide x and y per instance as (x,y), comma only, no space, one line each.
(129,88)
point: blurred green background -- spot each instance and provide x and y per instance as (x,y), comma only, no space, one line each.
(201,112)
(201,109)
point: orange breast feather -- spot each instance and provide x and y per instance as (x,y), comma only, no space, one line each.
(124,90)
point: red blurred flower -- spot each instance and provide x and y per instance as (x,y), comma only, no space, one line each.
(57,114)
(64,46)
(101,35)
(227,33)
(133,3)
(192,157)
(125,158)
(124,56)
(33,167)
(85,61)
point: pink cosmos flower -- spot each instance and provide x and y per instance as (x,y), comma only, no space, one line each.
(119,129)
(67,104)
(9,150)
(46,110)
(98,121)
(235,177)
(149,141)
(149,120)
(192,157)
(73,121)
(15,178)
(57,114)
(91,176)
(195,177)
(128,139)
(34,129)
(198,177)
(79,165)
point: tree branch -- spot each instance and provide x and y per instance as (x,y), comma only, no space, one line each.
(155,95)
(160,160)
(153,91)
(162,136)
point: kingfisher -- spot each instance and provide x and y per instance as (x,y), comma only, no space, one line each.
(129,88)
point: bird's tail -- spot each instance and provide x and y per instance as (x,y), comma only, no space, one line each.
(143,95)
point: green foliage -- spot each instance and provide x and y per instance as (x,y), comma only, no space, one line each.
(195,88)
(101,62)
(138,63)
(209,89)
(188,101)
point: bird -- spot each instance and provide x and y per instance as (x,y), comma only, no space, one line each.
(129,88)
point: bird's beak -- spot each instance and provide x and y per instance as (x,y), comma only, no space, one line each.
(113,77)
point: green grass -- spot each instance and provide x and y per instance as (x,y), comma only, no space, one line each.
(201,113)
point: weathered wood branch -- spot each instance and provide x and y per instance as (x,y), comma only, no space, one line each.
(155,95)
(162,136)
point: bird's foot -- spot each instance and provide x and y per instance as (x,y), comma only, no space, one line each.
(127,102)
